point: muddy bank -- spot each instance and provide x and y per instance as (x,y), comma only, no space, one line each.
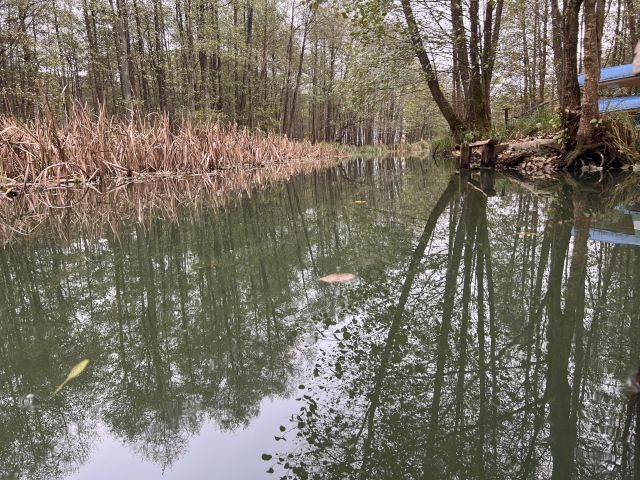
(530,155)
(534,156)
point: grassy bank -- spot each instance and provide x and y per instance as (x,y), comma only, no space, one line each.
(384,150)
(86,148)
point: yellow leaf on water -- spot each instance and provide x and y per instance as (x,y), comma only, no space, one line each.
(75,371)
(338,277)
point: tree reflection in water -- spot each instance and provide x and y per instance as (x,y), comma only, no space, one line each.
(186,319)
(489,355)
(486,336)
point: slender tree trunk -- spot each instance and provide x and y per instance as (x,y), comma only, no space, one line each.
(140,55)
(122,49)
(92,43)
(542,63)
(590,98)
(246,75)
(284,121)
(294,99)
(158,55)
(632,40)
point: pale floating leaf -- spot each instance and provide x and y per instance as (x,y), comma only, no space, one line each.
(338,277)
(359,202)
(75,372)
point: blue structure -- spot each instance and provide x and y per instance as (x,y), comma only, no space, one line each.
(615,77)
(607,236)
(613,234)
(620,104)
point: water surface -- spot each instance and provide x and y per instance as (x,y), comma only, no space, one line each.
(489,333)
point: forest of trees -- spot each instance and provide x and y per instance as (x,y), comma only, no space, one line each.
(362,72)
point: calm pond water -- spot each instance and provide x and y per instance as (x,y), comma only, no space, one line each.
(489,334)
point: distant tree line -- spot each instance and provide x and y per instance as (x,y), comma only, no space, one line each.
(362,72)
(279,65)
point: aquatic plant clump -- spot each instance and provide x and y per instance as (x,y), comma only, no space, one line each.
(86,148)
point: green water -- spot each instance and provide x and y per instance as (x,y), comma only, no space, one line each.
(488,334)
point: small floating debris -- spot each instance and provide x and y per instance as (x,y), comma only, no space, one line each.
(31,401)
(338,278)
(75,372)
(359,202)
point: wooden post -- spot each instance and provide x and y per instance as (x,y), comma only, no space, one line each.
(465,156)
(488,156)
(506,117)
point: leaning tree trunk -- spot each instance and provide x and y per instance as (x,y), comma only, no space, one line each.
(429,73)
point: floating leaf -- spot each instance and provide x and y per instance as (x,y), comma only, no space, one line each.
(338,277)
(270,470)
(266,457)
(75,371)
(359,202)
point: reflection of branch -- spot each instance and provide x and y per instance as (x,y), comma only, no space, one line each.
(495,420)
(398,312)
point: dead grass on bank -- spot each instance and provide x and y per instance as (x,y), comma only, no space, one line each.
(88,148)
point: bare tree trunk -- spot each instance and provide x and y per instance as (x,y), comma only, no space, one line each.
(542,63)
(158,56)
(481,119)
(460,60)
(492,25)
(294,99)
(631,27)
(92,42)
(525,57)
(122,48)
(565,51)
(284,120)
(590,98)
(246,75)
(140,55)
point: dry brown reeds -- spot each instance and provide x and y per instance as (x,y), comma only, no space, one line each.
(86,148)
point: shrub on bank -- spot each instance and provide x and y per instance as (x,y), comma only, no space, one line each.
(541,123)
